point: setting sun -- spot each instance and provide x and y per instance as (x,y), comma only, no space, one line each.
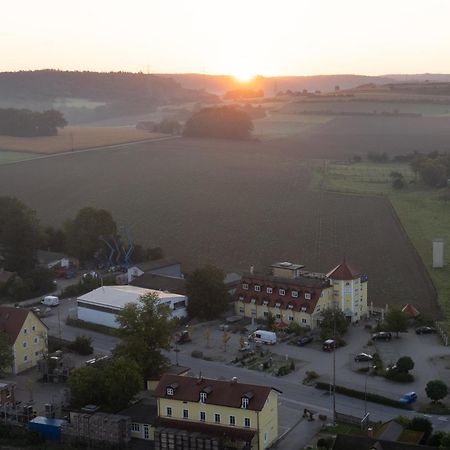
(243,76)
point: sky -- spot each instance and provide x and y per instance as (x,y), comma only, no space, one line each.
(241,38)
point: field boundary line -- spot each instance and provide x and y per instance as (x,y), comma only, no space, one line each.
(88,149)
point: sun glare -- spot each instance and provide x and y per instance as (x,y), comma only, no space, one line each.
(243,76)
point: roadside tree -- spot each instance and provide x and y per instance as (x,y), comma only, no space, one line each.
(145,330)
(333,324)
(436,390)
(6,352)
(396,321)
(405,364)
(208,295)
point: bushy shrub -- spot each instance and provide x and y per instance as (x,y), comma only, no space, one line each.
(311,375)
(401,377)
(82,345)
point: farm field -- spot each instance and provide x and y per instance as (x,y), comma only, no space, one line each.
(228,203)
(7,157)
(75,138)
(422,214)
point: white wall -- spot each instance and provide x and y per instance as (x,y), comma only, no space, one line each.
(99,317)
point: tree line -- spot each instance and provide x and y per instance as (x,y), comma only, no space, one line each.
(26,123)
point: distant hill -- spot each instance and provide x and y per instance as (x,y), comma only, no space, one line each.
(92,96)
(421,77)
(219,84)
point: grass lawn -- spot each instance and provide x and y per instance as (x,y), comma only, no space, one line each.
(6,157)
(419,209)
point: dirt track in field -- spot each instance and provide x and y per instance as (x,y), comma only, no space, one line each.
(231,204)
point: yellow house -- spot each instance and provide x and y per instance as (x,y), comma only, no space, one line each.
(292,294)
(225,413)
(27,334)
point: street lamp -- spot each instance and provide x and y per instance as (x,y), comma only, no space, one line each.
(365,390)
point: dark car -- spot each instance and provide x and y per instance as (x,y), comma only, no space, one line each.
(304,340)
(360,357)
(329,345)
(382,336)
(425,330)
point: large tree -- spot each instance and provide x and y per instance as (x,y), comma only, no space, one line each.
(396,321)
(405,364)
(207,293)
(333,323)
(436,390)
(6,352)
(19,235)
(84,233)
(146,329)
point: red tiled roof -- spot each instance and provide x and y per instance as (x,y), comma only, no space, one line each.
(223,393)
(12,320)
(343,272)
(215,430)
(410,311)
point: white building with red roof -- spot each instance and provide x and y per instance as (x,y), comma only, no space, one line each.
(292,294)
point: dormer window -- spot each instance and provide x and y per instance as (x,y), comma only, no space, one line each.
(241,298)
(303,308)
(169,391)
(265,302)
(282,292)
(307,296)
(253,301)
(203,396)
(257,288)
(245,286)
(295,294)
(245,399)
(290,306)
(277,305)
(269,290)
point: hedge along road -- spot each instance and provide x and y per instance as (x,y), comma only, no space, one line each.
(233,204)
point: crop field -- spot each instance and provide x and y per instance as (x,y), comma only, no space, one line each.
(74,138)
(228,203)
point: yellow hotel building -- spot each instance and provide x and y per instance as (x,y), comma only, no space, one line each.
(219,413)
(292,294)
(27,334)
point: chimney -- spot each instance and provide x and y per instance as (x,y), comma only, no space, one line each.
(233,380)
(252,270)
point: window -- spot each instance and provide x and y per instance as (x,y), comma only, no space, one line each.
(216,418)
(265,436)
(169,391)
(266,313)
(36,340)
(25,358)
(245,286)
(253,301)
(247,422)
(24,345)
(282,292)
(318,308)
(241,310)
(269,290)
(277,316)
(257,288)
(33,327)
(203,396)
(169,411)
(307,296)
(185,414)
(25,331)
(295,294)
(135,427)
(232,420)
(202,416)
(36,353)
(304,321)
(291,318)
(244,403)
(146,433)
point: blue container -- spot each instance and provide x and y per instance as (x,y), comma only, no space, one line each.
(50,429)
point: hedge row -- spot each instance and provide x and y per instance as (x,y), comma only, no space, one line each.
(361,395)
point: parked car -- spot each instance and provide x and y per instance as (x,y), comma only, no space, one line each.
(360,357)
(263,337)
(329,345)
(425,330)
(408,398)
(304,340)
(382,336)
(50,300)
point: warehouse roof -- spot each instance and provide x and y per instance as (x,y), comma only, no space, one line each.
(119,296)
(148,266)
(161,283)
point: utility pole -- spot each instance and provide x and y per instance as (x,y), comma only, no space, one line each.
(334,366)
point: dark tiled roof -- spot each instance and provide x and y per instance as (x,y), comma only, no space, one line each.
(214,430)
(147,266)
(299,282)
(45,257)
(346,442)
(12,320)
(144,411)
(160,283)
(343,272)
(223,393)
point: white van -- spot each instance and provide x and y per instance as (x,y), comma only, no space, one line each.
(50,300)
(264,337)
